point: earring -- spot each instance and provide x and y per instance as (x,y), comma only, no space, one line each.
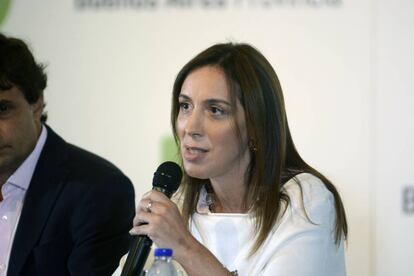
(252,145)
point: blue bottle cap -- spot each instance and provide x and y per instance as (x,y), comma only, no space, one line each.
(163,252)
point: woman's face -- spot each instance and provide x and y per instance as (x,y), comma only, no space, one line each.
(209,145)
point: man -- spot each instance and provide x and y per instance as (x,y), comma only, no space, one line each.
(63,210)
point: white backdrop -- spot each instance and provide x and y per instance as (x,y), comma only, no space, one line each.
(345,67)
(393,138)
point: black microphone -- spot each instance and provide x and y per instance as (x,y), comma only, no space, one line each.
(166,179)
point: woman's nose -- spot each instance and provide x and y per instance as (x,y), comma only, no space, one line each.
(194,125)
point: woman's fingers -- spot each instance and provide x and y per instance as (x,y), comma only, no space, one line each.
(148,224)
(145,205)
(159,218)
(155,196)
(153,209)
(140,230)
(141,217)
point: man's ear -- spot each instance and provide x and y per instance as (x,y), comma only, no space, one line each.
(37,107)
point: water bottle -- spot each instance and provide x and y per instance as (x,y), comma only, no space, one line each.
(162,265)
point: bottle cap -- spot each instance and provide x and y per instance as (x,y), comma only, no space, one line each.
(163,252)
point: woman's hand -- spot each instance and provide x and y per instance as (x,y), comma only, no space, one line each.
(159,218)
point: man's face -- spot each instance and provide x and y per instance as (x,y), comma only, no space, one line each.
(19,129)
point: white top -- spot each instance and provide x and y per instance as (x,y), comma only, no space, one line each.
(14,191)
(295,246)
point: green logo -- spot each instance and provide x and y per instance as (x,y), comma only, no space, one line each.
(4,9)
(169,150)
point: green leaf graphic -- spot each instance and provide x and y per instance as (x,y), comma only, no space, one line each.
(4,9)
(169,150)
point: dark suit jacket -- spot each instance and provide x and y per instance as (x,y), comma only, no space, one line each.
(76,215)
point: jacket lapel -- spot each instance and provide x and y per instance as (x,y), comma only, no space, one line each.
(46,184)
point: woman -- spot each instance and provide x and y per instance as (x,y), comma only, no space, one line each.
(250,204)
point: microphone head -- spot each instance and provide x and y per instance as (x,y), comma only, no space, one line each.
(167,178)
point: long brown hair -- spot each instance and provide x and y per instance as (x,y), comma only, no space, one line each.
(252,80)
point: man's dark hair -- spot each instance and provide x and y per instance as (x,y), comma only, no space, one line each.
(18,67)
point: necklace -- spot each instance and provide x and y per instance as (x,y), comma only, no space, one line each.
(210,198)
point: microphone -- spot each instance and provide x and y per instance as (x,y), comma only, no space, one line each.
(166,180)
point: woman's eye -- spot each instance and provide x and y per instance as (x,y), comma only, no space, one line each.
(216,110)
(184,106)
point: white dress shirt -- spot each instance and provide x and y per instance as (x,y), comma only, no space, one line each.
(14,191)
(295,246)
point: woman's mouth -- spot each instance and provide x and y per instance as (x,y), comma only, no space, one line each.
(193,154)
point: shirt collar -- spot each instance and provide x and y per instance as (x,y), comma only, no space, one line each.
(23,175)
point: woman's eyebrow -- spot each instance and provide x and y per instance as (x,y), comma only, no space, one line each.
(184,96)
(208,101)
(217,101)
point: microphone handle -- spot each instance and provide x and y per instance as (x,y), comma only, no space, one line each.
(141,246)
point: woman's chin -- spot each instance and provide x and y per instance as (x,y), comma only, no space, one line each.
(195,172)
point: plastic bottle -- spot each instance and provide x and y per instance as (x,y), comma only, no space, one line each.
(162,265)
